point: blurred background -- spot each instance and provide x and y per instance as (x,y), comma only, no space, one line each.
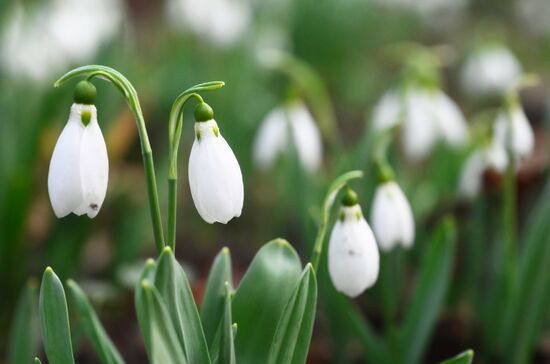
(164,47)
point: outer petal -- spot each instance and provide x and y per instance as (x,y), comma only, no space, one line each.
(472,175)
(523,138)
(215,176)
(403,213)
(64,184)
(387,111)
(451,121)
(94,168)
(419,132)
(353,258)
(306,136)
(271,139)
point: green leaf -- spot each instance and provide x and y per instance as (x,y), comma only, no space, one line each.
(54,317)
(261,297)
(223,349)
(23,340)
(161,340)
(103,346)
(173,286)
(213,300)
(526,314)
(431,290)
(463,358)
(291,342)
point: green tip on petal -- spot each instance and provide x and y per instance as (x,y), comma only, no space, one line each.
(203,112)
(85,93)
(350,197)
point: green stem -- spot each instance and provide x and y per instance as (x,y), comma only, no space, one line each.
(130,94)
(333,190)
(510,220)
(175,127)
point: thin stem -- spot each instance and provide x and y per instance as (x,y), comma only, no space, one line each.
(175,127)
(333,190)
(130,94)
(510,220)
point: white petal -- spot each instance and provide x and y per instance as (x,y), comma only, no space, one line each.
(271,139)
(419,131)
(471,176)
(451,121)
(64,184)
(387,112)
(306,136)
(215,176)
(491,71)
(496,156)
(353,258)
(391,217)
(514,131)
(94,168)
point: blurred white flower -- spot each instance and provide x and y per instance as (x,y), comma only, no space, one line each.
(39,44)
(490,71)
(214,175)
(427,116)
(222,22)
(79,168)
(391,217)
(512,130)
(471,177)
(353,257)
(285,125)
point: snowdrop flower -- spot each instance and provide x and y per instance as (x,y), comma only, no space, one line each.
(353,258)
(222,22)
(471,176)
(490,71)
(61,32)
(79,168)
(282,126)
(214,174)
(392,218)
(427,116)
(512,130)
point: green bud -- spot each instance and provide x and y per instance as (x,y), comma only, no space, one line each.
(203,112)
(350,197)
(85,93)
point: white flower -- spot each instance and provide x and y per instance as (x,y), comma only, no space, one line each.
(490,71)
(512,130)
(430,116)
(391,217)
(353,258)
(60,32)
(283,126)
(387,112)
(79,168)
(222,22)
(214,175)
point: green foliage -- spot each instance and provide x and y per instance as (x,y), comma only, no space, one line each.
(463,358)
(23,339)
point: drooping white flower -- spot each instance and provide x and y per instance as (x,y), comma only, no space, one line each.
(391,217)
(222,22)
(79,168)
(60,32)
(490,71)
(430,116)
(471,176)
(214,175)
(283,126)
(353,257)
(512,130)
(387,112)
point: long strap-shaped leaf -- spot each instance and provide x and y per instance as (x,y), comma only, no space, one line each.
(103,346)
(162,342)
(223,348)
(463,358)
(261,298)
(291,341)
(431,291)
(54,317)
(23,340)
(173,286)
(213,301)
(527,312)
